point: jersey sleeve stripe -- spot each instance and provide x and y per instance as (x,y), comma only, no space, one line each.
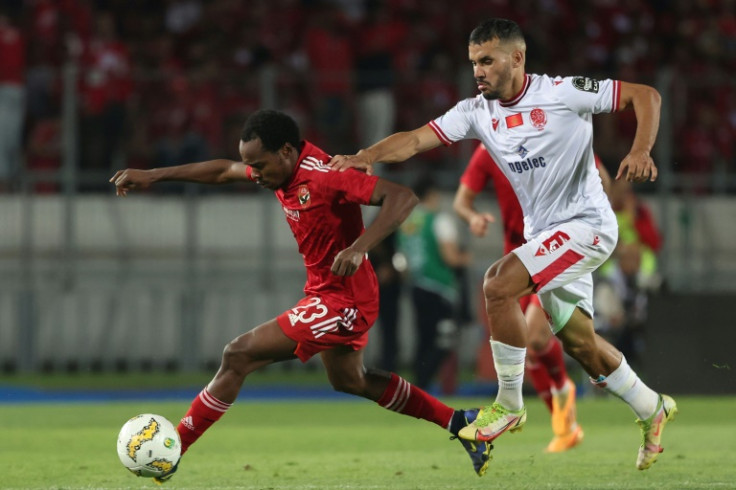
(311,166)
(440,134)
(616,95)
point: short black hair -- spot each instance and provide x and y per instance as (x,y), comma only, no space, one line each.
(274,129)
(503,29)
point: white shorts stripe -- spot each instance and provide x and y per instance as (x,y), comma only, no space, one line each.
(561,262)
(317,326)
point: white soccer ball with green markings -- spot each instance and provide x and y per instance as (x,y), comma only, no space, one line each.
(149,445)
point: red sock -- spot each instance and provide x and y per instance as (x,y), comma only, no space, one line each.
(204,411)
(403,397)
(540,379)
(551,358)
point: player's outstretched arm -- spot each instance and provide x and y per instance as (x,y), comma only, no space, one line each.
(396,203)
(209,172)
(465,208)
(393,149)
(638,165)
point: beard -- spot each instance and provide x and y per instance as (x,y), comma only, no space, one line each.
(504,79)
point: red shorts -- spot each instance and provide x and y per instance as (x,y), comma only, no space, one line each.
(316,326)
(529,299)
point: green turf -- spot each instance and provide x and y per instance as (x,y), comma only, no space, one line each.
(331,445)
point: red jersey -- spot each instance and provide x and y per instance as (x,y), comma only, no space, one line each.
(322,208)
(12,56)
(480,170)
(483,168)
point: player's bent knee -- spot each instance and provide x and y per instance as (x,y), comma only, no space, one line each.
(350,386)
(352,383)
(494,289)
(236,355)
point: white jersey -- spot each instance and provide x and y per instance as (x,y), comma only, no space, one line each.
(542,140)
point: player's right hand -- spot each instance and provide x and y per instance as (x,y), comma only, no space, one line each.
(344,162)
(637,166)
(129,179)
(479,223)
(347,262)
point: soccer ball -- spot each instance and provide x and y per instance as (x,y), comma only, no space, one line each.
(149,445)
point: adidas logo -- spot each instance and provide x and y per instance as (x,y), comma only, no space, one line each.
(188,422)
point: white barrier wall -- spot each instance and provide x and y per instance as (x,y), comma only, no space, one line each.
(147,278)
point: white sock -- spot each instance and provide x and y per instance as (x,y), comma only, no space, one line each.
(562,391)
(625,384)
(509,363)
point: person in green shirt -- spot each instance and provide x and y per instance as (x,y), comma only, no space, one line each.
(428,240)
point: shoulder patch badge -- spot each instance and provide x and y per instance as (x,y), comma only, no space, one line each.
(585,84)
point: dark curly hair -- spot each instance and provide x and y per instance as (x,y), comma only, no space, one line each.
(274,128)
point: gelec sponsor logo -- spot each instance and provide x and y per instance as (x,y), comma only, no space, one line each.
(528,164)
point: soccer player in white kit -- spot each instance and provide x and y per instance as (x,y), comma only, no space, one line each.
(539,130)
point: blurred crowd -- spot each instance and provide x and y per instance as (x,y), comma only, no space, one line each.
(166,82)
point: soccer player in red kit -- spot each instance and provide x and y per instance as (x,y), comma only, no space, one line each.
(322,208)
(545,363)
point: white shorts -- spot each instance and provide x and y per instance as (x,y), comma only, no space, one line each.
(561,262)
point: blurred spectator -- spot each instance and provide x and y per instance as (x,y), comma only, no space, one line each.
(182,15)
(428,240)
(700,140)
(621,302)
(625,280)
(105,90)
(636,226)
(44,151)
(331,62)
(389,290)
(42,85)
(176,140)
(12,98)
(301,56)
(375,41)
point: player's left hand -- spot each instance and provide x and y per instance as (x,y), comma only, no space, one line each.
(347,262)
(344,162)
(637,167)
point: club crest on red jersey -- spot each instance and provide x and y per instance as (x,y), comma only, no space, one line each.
(552,243)
(538,118)
(303,195)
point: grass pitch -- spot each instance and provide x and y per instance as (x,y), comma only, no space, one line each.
(339,444)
